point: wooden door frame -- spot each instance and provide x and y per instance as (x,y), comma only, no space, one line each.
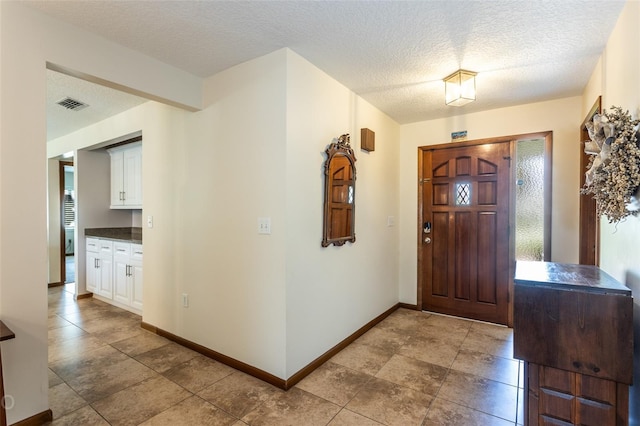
(63,236)
(548,137)
(589,221)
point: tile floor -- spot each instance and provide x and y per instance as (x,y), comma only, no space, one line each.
(413,368)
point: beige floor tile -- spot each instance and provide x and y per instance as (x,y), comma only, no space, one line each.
(191,411)
(491,345)
(63,400)
(405,321)
(434,350)
(70,348)
(387,340)
(415,374)
(390,404)
(445,413)
(67,332)
(497,331)
(488,366)
(450,323)
(364,358)
(349,418)
(85,416)
(140,344)
(293,408)
(488,396)
(54,379)
(334,382)
(101,373)
(198,373)
(140,402)
(120,332)
(55,321)
(166,357)
(239,393)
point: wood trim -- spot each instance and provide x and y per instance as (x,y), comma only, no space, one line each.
(548,188)
(408,306)
(304,372)
(589,221)
(84,296)
(63,237)
(127,142)
(420,264)
(58,284)
(261,374)
(37,419)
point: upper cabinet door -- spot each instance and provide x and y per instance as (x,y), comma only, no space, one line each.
(132,177)
(126,177)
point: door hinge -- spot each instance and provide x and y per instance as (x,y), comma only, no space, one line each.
(424,180)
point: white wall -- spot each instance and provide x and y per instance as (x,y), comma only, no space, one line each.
(28,40)
(206,188)
(562,116)
(617,79)
(333,291)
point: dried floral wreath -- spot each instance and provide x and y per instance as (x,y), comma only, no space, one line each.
(613,175)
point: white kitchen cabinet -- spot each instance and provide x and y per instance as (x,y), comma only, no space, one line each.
(126,176)
(99,272)
(127,267)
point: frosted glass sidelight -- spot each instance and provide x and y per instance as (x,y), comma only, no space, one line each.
(530,200)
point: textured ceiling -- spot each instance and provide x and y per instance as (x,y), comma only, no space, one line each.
(392,53)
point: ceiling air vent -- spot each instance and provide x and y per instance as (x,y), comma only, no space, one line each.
(72,104)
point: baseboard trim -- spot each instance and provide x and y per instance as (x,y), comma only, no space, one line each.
(408,306)
(231,362)
(37,419)
(58,284)
(261,374)
(84,296)
(305,371)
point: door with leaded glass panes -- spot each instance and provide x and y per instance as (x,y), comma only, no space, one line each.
(465,235)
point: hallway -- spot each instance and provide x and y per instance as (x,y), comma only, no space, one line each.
(413,368)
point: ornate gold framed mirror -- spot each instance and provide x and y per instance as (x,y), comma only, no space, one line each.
(339,193)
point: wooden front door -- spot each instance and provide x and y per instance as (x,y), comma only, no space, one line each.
(465,235)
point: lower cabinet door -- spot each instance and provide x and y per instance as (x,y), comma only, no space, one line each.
(136,284)
(92,272)
(105,286)
(121,278)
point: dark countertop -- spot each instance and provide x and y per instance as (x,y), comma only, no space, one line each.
(563,276)
(130,235)
(5,332)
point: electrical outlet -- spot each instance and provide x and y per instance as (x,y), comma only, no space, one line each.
(185,300)
(149,221)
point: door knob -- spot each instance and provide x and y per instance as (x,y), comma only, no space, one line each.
(427,240)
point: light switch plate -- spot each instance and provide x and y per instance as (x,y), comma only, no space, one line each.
(149,221)
(264,225)
(391,221)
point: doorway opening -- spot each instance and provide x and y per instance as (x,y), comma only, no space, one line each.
(67,225)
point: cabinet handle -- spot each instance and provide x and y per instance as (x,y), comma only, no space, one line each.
(124,195)
(127,271)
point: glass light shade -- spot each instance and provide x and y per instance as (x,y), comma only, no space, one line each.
(460,88)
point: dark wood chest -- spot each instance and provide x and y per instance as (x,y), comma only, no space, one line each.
(573,327)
